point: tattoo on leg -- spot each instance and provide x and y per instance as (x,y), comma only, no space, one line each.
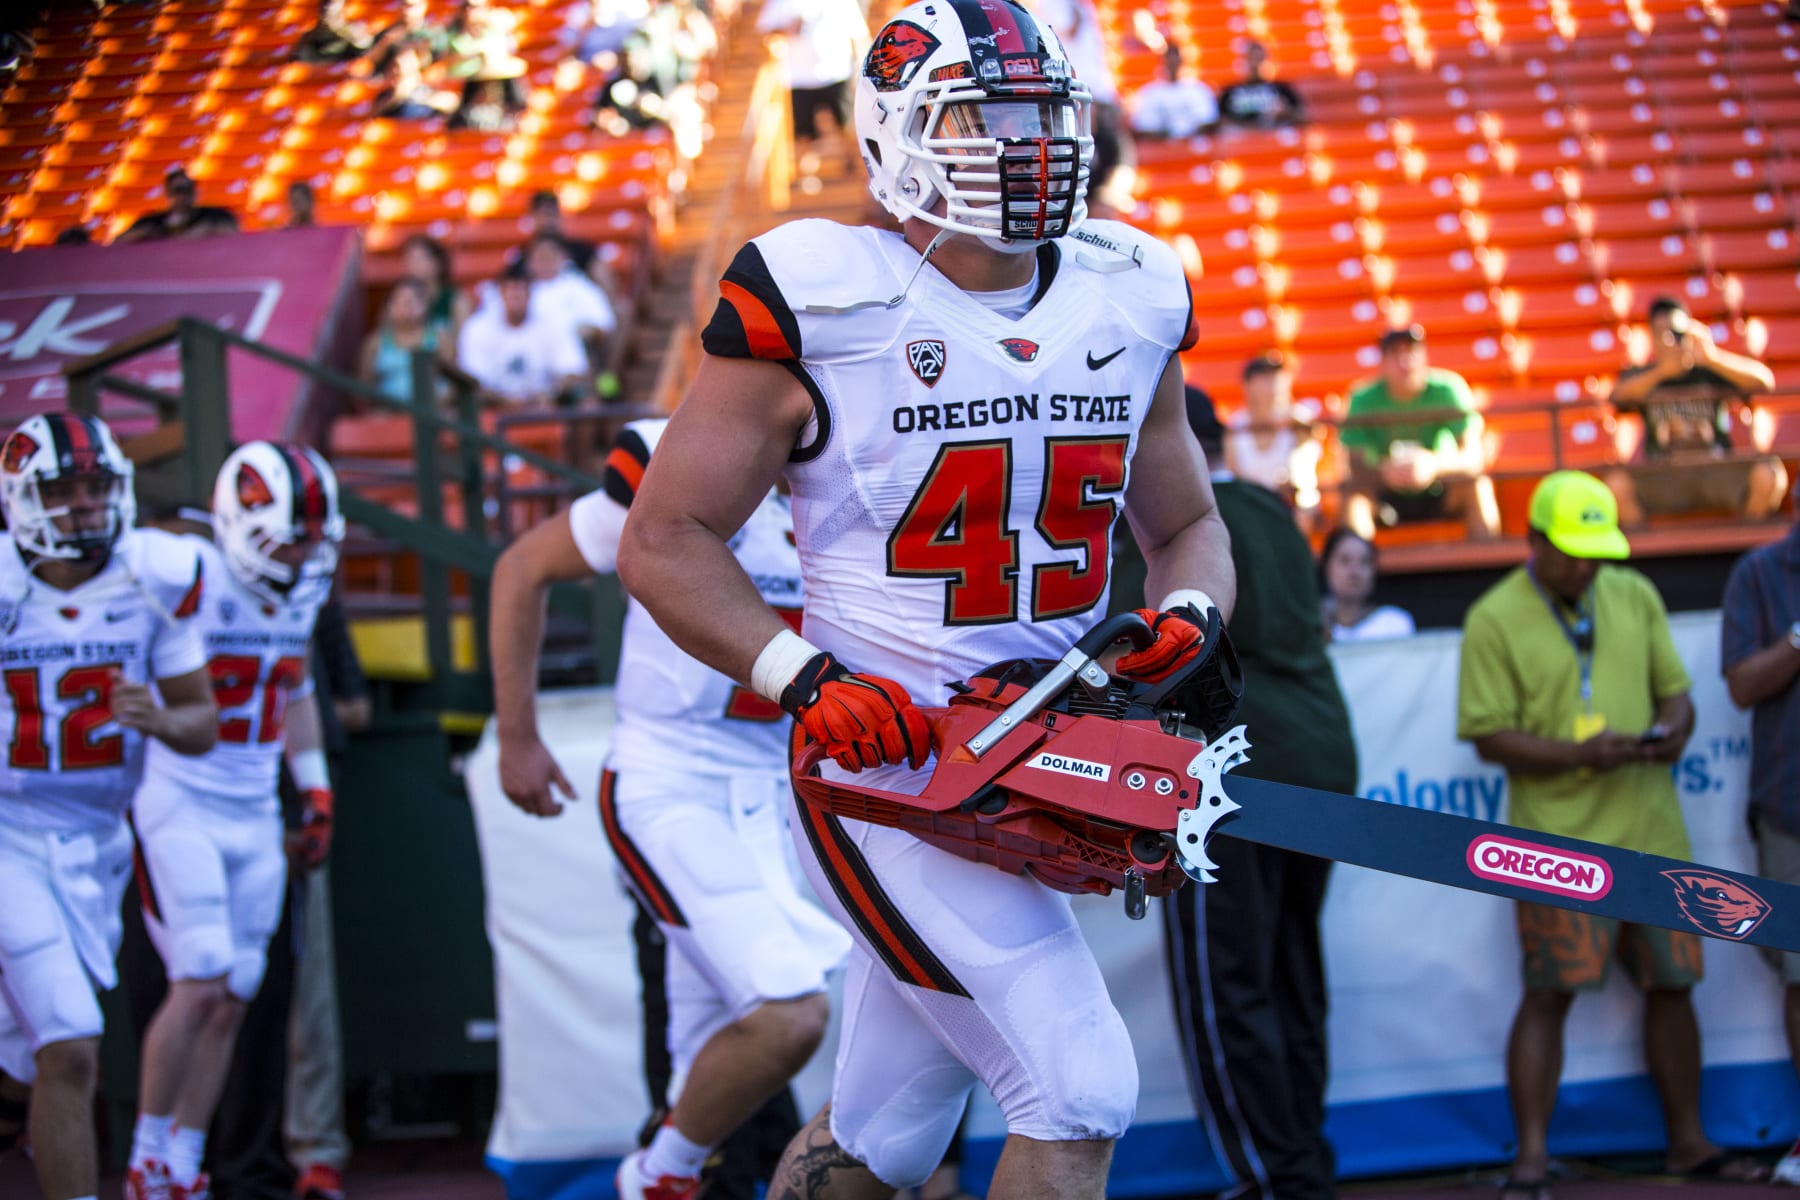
(814,1161)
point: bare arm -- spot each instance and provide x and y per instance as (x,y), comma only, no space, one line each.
(1744,372)
(188,721)
(1675,716)
(354,713)
(1763,675)
(303,730)
(1636,387)
(1171,508)
(1524,753)
(673,556)
(522,577)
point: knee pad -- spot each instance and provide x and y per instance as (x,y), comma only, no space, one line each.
(247,967)
(1092,1084)
(902,1138)
(200,953)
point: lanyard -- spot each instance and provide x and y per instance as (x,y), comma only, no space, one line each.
(1580,637)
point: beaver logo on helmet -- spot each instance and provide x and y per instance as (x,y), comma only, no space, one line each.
(895,57)
(252,489)
(1718,904)
(19,448)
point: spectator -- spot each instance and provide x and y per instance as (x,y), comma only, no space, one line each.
(1269,445)
(413,28)
(1421,469)
(75,235)
(1571,683)
(331,39)
(1257,101)
(424,257)
(183,217)
(1687,394)
(561,293)
(1078,25)
(597,31)
(546,217)
(1246,974)
(821,42)
(520,358)
(1173,106)
(483,54)
(386,361)
(1760,654)
(406,94)
(300,205)
(1347,586)
(630,98)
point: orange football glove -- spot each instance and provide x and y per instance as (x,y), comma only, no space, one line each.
(1178,640)
(315,826)
(862,720)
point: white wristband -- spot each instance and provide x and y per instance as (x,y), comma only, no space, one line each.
(309,770)
(778,663)
(1180,596)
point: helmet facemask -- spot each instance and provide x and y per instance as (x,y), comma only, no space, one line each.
(1013,169)
(283,567)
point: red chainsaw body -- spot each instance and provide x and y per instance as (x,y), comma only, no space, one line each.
(1080,801)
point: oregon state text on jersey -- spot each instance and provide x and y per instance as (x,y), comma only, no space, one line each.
(256,653)
(677,703)
(982,458)
(67,765)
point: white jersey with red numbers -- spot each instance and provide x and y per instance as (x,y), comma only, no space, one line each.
(955,492)
(668,699)
(68,767)
(256,653)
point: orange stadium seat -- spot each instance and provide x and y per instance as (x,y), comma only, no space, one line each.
(1553,306)
(1574,353)
(1759,292)
(1749,210)
(1752,249)
(1476,311)
(1656,217)
(1663,255)
(1327,323)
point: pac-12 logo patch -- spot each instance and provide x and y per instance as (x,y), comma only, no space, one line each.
(927,360)
(1023,349)
(1718,904)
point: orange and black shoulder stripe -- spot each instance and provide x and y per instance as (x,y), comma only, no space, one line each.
(886,929)
(625,464)
(190,603)
(752,320)
(638,872)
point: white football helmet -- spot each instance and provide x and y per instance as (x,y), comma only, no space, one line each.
(276,518)
(972,102)
(66,487)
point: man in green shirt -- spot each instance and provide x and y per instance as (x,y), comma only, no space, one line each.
(1414,446)
(1246,972)
(1571,682)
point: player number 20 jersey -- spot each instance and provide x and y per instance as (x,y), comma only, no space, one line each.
(671,706)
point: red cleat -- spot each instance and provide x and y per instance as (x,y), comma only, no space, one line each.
(319,1182)
(633,1186)
(149,1182)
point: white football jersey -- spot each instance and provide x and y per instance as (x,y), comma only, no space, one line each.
(68,766)
(955,493)
(670,704)
(258,657)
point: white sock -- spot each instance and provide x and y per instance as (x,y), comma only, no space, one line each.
(672,1154)
(186,1148)
(150,1140)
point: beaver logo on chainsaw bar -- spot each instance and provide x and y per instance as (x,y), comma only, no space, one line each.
(1718,904)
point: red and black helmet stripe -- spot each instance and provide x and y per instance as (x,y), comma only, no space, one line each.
(76,441)
(310,507)
(996,18)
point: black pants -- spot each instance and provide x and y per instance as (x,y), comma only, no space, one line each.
(244,1153)
(1249,989)
(752,1152)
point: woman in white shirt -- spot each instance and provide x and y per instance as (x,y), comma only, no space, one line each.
(1346,585)
(1268,443)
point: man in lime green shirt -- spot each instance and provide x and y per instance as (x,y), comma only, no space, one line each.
(1570,681)
(1424,468)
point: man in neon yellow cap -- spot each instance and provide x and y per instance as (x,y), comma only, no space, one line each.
(1570,681)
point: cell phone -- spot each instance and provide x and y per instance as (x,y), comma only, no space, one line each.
(1655,733)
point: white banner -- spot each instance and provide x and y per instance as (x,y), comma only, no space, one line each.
(1423,978)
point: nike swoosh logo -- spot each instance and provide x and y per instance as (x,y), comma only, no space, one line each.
(1094,364)
(113,618)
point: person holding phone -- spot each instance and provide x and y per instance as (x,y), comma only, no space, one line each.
(1570,681)
(1692,397)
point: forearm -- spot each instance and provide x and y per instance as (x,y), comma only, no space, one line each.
(692,584)
(1675,716)
(187,728)
(1198,556)
(304,730)
(1763,675)
(1527,754)
(515,633)
(1745,374)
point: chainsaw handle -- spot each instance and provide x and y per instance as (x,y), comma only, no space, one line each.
(1127,626)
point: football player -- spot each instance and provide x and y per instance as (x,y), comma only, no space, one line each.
(100,660)
(213,868)
(960,410)
(693,802)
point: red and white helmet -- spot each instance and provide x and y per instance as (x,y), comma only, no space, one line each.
(973,102)
(269,498)
(56,471)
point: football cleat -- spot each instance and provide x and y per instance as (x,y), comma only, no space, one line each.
(632,1185)
(200,1189)
(1788,1169)
(319,1182)
(148,1182)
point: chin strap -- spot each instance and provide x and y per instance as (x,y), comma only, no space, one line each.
(838,310)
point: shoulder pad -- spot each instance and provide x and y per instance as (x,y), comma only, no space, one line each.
(170,566)
(1143,275)
(629,456)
